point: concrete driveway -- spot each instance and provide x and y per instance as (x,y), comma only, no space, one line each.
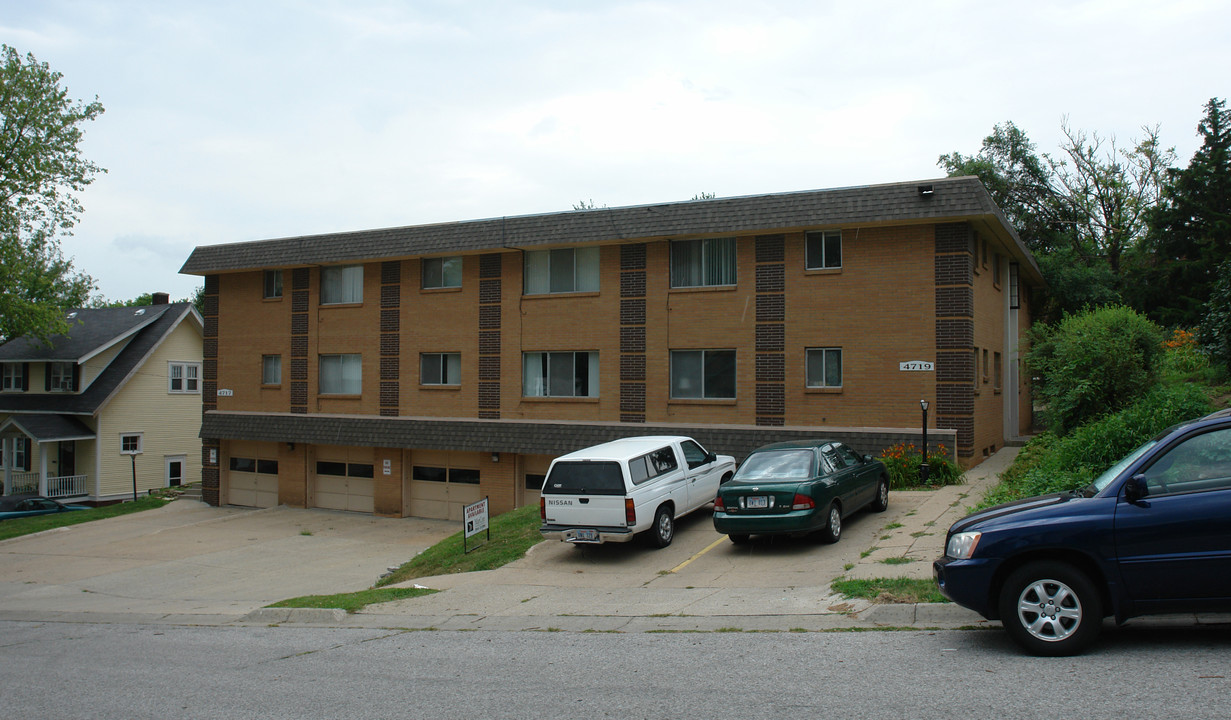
(189,559)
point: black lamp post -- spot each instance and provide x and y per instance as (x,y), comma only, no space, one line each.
(923,465)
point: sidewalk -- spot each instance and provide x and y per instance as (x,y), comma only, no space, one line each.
(530,595)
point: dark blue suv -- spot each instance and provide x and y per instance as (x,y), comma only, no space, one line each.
(1150,535)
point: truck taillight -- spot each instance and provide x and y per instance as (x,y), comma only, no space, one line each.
(542,509)
(630,512)
(802,502)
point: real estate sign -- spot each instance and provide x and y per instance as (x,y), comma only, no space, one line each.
(475,518)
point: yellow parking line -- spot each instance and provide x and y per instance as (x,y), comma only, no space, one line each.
(713,545)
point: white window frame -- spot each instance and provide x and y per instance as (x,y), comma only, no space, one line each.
(824,262)
(189,376)
(60,376)
(140,436)
(826,353)
(447,368)
(549,374)
(703,262)
(269,362)
(271,284)
(441,273)
(559,271)
(342,285)
(348,374)
(681,387)
(14,377)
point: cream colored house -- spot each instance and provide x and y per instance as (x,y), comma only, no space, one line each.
(116,398)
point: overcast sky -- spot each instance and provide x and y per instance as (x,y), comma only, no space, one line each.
(233,121)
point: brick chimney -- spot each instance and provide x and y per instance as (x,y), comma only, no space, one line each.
(160,298)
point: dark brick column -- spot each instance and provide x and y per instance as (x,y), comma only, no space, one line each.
(632,333)
(771,330)
(210,479)
(491,270)
(301,280)
(390,337)
(955,333)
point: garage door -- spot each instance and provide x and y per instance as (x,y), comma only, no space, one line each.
(442,483)
(252,482)
(343,486)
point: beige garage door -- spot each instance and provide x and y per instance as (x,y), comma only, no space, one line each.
(252,482)
(341,483)
(442,483)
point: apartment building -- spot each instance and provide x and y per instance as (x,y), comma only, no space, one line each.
(408,371)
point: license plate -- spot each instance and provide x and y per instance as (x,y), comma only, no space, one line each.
(585,535)
(758,501)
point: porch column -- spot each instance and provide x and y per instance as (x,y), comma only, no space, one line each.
(6,448)
(42,470)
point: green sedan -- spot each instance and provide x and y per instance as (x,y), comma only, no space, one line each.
(799,488)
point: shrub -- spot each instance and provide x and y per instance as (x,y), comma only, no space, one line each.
(1094,363)
(1051,463)
(1182,356)
(1216,324)
(902,462)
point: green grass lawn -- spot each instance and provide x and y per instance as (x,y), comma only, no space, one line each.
(890,590)
(17,527)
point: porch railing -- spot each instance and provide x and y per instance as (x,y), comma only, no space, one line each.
(57,487)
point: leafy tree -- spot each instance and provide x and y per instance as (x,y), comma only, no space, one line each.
(1190,228)
(1216,324)
(1094,363)
(41,172)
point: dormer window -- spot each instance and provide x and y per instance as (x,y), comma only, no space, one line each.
(61,377)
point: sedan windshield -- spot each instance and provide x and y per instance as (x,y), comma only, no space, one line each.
(777,465)
(1110,474)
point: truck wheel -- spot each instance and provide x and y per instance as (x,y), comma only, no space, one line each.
(1050,609)
(664,527)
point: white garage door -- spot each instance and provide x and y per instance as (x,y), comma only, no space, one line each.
(343,486)
(252,482)
(442,483)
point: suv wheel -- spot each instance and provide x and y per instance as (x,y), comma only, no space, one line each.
(1050,608)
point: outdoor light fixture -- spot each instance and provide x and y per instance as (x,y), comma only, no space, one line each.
(495,457)
(923,404)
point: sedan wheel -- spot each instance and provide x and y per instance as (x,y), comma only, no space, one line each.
(881,503)
(1050,608)
(833,527)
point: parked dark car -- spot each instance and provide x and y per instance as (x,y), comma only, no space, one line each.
(799,488)
(17,506)
(1150,535)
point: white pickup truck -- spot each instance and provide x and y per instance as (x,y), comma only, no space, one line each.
(614,491)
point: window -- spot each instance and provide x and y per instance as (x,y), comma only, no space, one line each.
(824,367)
(651,465)
(704,374)
(265,467)
(534,481)
(341,374)
(21,454)
(442,273)
(996,270)
(702,263)
(561,271)
(996,371)
(824,250)
(1015,301)
(976,368)
(1197,464)
(273,284)
(130,444)
(16,377)
(986,369)
(61,377)
(465,476)
(440,369)
(183,378)
(560,374)
(342,284)
(271,369)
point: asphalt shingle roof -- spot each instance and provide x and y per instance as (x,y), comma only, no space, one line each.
(51,428)
(92,329)
(113,376)
(951,199)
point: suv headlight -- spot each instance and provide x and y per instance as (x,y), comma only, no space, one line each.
(962,545)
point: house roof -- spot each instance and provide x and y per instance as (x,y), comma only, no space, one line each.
(534,437)
(93,330)
(951,199)
(148,336)
(49,428)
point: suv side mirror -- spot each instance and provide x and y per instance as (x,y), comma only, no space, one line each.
(1136,489)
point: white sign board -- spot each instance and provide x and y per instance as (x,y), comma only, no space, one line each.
(387,466)
(917,365)
(223,392)
(475,516)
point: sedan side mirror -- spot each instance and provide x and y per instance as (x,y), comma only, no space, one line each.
(1136,489)
(867,458)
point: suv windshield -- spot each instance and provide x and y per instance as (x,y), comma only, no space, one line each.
(1110,474)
